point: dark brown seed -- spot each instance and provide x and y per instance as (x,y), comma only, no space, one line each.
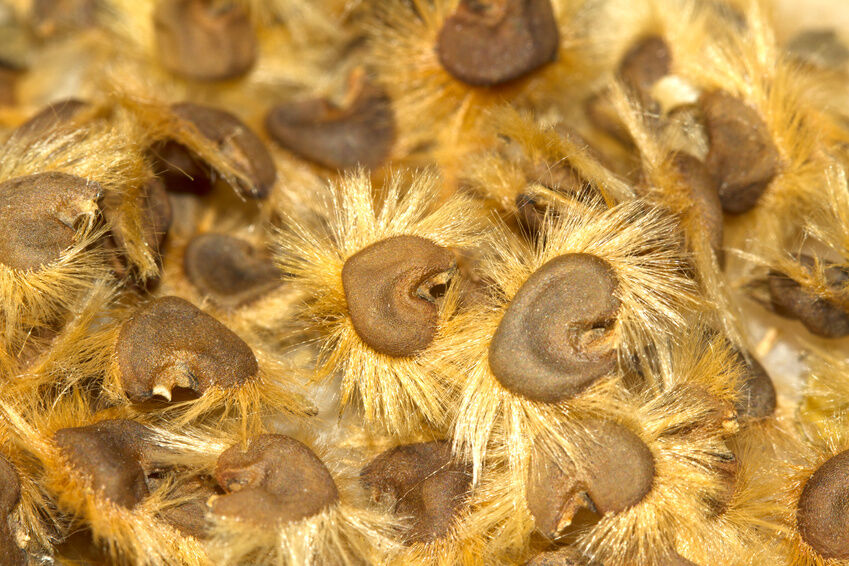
(645,63)
(423,483)
(204,39)
(50,117)
(822,516)
(360,133)
(557,336)
(618,472)
(228,269)
(38,214)
(389,290)
(490,42)
(757,395)
(704,195)
(821,317)
(742,157)
(155,208)
(10,494)
(276,480)
(111,454)
(170,342)
(565,556)
(183,171)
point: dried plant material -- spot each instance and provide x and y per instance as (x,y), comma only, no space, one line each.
(10,494)
(742,156)
(639,260)
(109,453)
(565,556)
(40,217)
(228,270)
(54,115)
(155,211)
(389,292)
(169,343)
(757,399)
(423,483)
(204,39)
(55,17)
(359,132)
(260,491)
(489,43)
(183,169)
(645,63)
(820,517)
(556,337)
(616,475)
(820,316)
(396,393)
(94,470)
(704,195)
(286,502)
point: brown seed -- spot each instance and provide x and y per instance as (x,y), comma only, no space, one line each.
(228,269)
(183,171)
(490,42)
(604,116)
(645,63)
(389,291)
(557,336)
(704,195)
(10,494)
(205,40)
(742,157)
(38,214)
(565,556)
(757,397)
(424,484)
(821,317)
(155,207)
(50,117)
(111,454)
(822,516)
(170,342)
(618,472)
(276,480)
(361,132)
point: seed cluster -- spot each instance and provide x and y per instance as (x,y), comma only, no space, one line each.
(422,282)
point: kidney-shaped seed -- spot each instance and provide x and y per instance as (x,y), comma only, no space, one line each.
(228,269)
(557,336)
(423,483)
(742,156)
(204,39)
(388,288)
(183,171)
(38,214)
(822,516)
(338,138)
(111,455)
(617,473)
(170,342)
(820,316)
(276,480)
(489,42)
